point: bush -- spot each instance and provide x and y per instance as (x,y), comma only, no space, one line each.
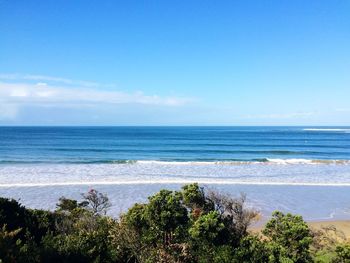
(290,238)
(187,226)
(342,253)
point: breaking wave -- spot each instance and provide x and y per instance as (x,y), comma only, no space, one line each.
(258,171)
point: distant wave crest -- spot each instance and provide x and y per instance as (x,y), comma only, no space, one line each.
(253,161)
(263,161)
(327,130)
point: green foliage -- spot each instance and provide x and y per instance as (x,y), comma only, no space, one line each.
(15,216)
(66,204)
(165,211)
(206,233)
(207,228)
(290,238)
(12,213)
(194,196)
(166,216)
(186,226)
(9,247)
(135,217)
(324,256)
(82,245)
(252,249)
(342,253)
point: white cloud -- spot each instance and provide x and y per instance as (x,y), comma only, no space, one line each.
(23,93)
(42,78)
(19,91)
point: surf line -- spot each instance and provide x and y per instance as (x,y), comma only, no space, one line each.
(144,182)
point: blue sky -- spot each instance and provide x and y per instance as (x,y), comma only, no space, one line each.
(185,62)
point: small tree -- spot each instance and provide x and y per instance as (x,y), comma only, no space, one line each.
(193,196)
(343,254)
(65,204)
(290,238)
(251,249)
(207,228)
(234,213)
(205,233)
(166,214)
(95,201)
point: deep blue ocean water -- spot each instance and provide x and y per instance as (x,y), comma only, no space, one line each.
(118,144)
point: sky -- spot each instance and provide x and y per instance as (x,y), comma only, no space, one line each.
(183,62)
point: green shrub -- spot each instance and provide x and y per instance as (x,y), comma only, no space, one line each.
(186,226)
(289,238)
(342,254)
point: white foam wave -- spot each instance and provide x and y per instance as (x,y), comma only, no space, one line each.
(148,162)
(145,182)
(267,161)
(291,161)
(307,161)
(275,171)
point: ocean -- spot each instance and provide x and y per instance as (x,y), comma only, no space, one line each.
(39,164)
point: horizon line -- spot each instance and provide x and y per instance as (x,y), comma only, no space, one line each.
(167,125)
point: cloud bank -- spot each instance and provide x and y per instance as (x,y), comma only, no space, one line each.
(17,91)
(45,100)
(45,94)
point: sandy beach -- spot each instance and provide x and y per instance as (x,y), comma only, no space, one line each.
(341,226)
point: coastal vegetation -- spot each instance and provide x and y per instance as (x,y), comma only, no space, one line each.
(190,225)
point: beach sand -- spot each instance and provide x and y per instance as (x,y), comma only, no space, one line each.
(340,225)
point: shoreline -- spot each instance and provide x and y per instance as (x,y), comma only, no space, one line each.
(175,182)
(314,203)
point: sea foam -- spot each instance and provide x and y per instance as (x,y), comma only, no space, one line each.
(274,171)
